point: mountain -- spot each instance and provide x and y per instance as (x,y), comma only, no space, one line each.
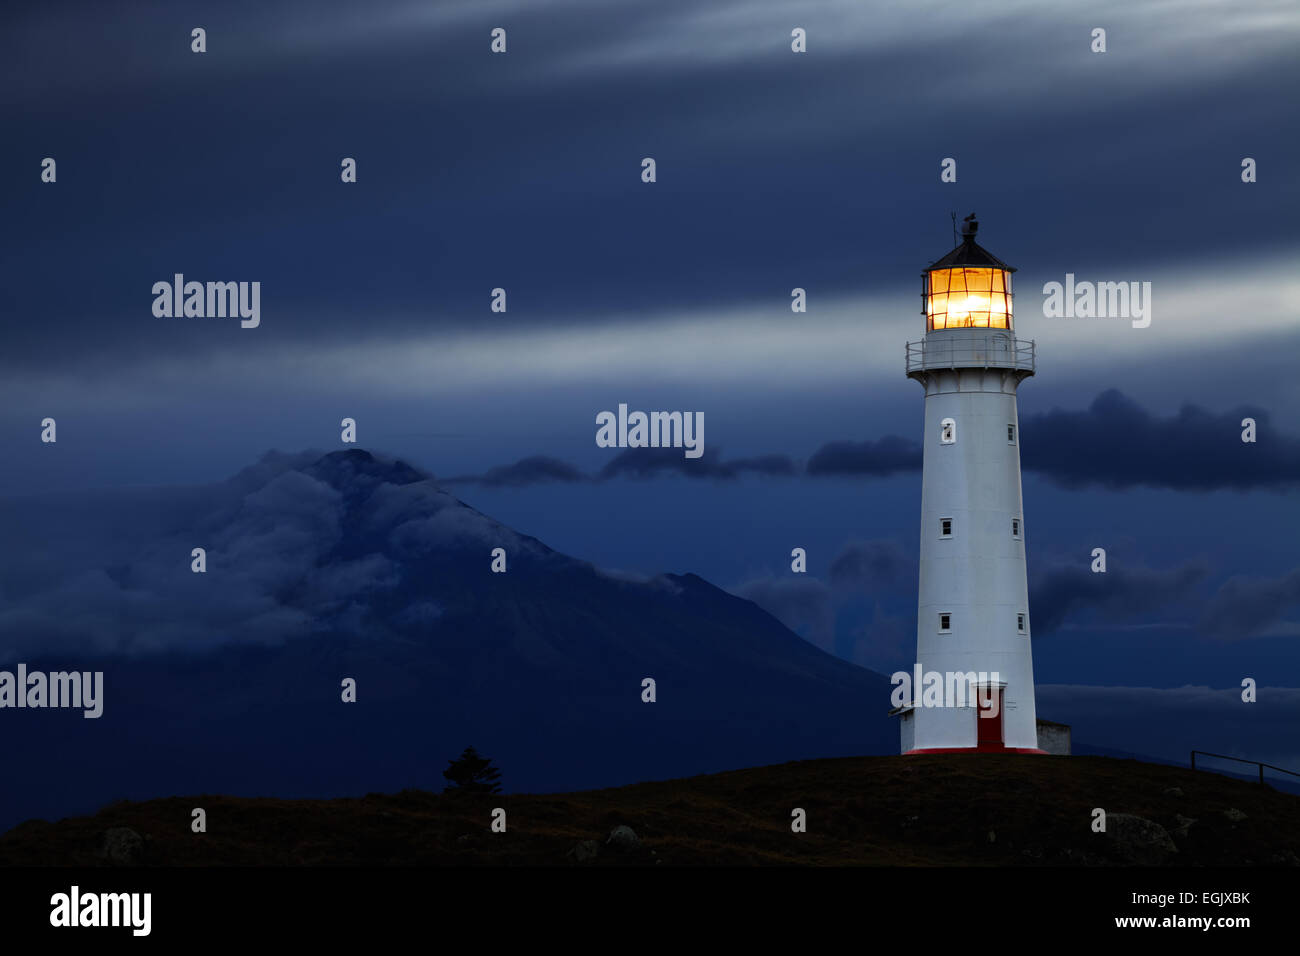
(345,565)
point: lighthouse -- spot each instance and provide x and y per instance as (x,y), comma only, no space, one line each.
(973,624)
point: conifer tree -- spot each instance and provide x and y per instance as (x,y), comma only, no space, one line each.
(471,773)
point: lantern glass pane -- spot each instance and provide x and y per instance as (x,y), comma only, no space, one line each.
(968,298)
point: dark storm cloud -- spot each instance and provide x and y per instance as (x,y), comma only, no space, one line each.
(652,462)
(536,469)
(477,170)
(1119,594)
(1244,606)
(801,603)
(1241,606)
(882,457)
(632,463)
(873,567)
(1116,443)
(881,569)
(806,604)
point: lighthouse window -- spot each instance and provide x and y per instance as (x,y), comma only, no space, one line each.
(945,527)
(945,623)
(947,431)
(1011,434)
(1020,623)
(1015,527)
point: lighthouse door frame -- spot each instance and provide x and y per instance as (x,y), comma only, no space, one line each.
(990,732)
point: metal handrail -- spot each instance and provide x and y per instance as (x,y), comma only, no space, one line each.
(1206,753)
(1000,350)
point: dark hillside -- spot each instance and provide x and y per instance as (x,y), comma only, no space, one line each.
(881,811)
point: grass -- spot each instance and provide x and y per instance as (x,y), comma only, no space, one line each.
(937,810)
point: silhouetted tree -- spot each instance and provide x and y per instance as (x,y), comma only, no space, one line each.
(471,773)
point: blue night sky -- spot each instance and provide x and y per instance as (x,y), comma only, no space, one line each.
(774,171)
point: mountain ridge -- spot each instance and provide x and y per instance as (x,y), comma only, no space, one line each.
(350,565)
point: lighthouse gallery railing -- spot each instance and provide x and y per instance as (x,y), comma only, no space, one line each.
(998,350)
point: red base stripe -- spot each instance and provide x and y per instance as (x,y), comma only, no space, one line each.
(981,749)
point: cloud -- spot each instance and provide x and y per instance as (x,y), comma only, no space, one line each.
(631,463)
(1246,606)
(801,603)
(872,567)
(632,63)
(1239,607)
(884,640)
(1119,594)
(453,529)
(536,469)
(880,570)
(807,605)
(882,457)
(1118,444)
(295,545)
(1115,443)
(650,462)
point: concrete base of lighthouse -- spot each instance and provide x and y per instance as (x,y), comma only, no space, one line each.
(961,730)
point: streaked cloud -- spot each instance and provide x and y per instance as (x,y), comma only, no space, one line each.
(840,339)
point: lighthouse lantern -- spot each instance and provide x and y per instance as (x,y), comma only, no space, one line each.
(967,289)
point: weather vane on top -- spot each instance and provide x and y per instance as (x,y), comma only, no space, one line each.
(969,227)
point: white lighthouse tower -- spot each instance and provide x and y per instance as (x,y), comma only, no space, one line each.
(973,602)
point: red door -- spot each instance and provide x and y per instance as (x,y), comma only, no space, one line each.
(989,735)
